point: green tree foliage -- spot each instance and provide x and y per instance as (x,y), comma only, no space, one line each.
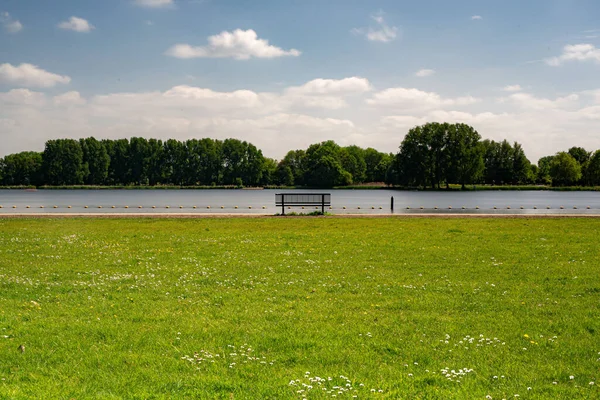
(464,154)
(543,175)
(324,166)
(376,164)
(118,168)
(296,162)
(21,169)
(434,153)
(593,170)
(564,169)
(62,163)
(353,161)
(430,155)
(95,161)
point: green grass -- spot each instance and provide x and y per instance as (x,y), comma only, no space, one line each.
(117,308)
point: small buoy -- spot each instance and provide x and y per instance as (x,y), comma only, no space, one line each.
(588,207)
(463,207)
(27,207)
(358,208)
(194,207)
(408,207)
(521,207)
(40,206)
(289,208)
(236,207)
(344,207)
(436,207)
(495,207)
(168,207)
(380,207)
(54,207)
(303,207)
(180,206)
(548,207)
(209,207)
(316,208)
(535,207)
(126,206)
(561,207)
(575,208)
(263,207)
(99,206)
(331,208)
(16,206)
(1,206)
(449,207)
(421,207)
(222,207)
(139,206)
(68,206)
(85,207)
(249,207)
(372,207)
(112,206)
(508,207)
(153,206)
(477,207)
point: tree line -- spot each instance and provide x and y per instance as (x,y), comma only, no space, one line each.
(432,155)
(437,154)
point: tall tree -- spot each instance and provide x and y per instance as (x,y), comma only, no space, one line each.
(118,167)
(63,162)
(324,166)
(464,154)
(95,161)
(564,169)
(593,170)
(21,169)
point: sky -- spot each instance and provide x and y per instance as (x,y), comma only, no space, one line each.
(283,74)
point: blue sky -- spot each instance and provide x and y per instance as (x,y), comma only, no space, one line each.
(520,70)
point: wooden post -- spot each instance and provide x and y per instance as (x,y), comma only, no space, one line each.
(392,203)
(323,204)
(283,204)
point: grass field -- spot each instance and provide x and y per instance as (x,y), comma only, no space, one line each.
(293,308)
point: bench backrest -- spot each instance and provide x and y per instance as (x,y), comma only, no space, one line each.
(303,199)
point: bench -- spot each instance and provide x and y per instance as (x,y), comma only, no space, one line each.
(302,200)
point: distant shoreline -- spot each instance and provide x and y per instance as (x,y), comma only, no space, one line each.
(452,188)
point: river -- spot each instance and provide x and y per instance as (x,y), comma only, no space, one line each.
(263,201)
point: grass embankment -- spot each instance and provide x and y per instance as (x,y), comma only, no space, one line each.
(240,308)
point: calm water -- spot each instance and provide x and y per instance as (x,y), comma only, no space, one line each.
(257,199)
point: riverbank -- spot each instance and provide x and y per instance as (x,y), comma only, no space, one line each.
(451,188)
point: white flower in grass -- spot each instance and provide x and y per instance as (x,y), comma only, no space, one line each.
(571,377)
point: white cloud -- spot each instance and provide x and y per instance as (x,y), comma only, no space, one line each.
(512,88)
(23,97)
(72,98)
(155,3)
(576,52)
(333,86)
(76,24)
(10,25)
(381,33)
(294,117)
(526,100)
(476,18)
(416,100)
(422,73)
(30,75)
(239,44)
